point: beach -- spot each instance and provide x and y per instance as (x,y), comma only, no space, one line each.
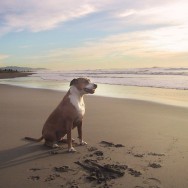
(5,75)
(148,138)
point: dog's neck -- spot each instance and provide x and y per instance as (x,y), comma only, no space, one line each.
(76,99)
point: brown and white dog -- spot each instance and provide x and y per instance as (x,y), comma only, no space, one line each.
(68,115)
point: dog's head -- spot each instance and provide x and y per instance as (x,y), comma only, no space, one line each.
(84,85)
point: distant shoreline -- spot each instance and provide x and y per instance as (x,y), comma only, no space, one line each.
(4,75)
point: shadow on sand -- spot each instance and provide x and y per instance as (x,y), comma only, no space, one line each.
(25,153)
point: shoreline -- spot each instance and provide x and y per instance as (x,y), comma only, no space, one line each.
(183,105)
(154,136)
(157,95)
(96,96)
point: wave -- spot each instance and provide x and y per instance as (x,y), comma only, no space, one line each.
(174,78)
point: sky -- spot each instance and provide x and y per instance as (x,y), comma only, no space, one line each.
(94,34)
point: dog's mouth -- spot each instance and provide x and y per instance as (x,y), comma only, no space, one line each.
(90,88)
(91,91)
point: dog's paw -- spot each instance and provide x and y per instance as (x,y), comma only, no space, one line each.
(51,145)
(73,140)
(55,146)
(71,150)
(82,143)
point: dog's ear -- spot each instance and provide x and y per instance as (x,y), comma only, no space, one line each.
(73,82)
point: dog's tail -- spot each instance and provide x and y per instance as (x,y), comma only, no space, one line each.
(34,139)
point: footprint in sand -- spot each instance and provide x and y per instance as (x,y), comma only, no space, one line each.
(172,144)
(34,178)
(154,165)
(153,182)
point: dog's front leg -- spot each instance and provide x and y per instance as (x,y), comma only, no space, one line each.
(79,127)
(69,137)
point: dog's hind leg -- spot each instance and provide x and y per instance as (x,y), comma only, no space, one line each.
(51,141)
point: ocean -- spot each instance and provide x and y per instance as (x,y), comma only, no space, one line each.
(161,85)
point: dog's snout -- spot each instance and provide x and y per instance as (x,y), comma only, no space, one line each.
(95,85)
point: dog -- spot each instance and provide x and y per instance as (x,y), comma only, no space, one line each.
(67,115)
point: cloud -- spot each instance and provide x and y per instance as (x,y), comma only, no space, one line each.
(41,15)
(163,40)
(35,16)
(168,43)
(3,56)
(174,13)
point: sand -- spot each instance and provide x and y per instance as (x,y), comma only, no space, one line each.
(154,136)
(14,74)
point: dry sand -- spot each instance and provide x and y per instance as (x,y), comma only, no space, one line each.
(154,135)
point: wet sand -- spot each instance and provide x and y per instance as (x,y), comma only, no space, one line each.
(5,75)
(144,142)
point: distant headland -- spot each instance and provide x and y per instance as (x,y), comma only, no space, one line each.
(14,71)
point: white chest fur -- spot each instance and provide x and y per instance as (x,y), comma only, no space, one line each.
(77,101)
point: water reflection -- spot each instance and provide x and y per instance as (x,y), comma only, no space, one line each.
(166,96)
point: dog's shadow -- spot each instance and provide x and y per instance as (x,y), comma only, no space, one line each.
(25,153)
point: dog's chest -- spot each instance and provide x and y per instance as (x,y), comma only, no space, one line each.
(78,104)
